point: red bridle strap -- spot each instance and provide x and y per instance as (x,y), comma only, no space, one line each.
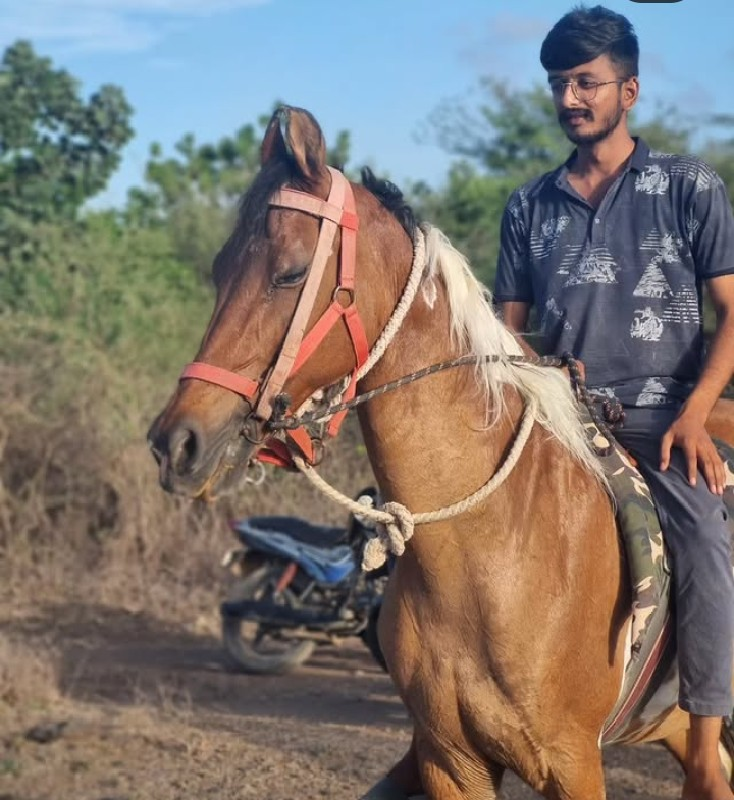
(308,203)
(337,211)
(238,384)
(297,328)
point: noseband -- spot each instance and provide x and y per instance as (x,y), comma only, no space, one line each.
(338,211)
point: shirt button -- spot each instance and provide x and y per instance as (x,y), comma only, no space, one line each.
(597,220)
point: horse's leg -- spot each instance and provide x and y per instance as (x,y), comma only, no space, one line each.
(402,782)
(454,776)
(579,775)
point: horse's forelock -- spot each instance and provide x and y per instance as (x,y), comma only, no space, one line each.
(254,203)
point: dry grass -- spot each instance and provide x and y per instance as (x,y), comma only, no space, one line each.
(81,513)
(28,675)
(85,526)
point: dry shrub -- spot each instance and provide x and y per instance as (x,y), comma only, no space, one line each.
(27,676)
(82,517)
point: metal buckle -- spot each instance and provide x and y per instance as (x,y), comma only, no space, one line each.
(337,291)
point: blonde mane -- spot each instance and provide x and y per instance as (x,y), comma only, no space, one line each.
(475,328)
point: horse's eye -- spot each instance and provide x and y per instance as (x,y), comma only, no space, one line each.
(292,278)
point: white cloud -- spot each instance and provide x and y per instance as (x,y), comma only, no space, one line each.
(506,45)
(509,29)
(102,25)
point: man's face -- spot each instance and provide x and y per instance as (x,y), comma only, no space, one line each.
(591,99)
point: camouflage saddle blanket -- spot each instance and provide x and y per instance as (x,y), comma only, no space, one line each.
(650,683)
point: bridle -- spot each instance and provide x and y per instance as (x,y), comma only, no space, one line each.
(338,211)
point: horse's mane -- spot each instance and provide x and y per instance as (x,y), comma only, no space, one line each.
(475,328)
(392,199)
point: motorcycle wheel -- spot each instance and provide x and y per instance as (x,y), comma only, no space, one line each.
(369,637)
(248,646)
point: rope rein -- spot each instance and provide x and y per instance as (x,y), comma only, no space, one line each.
(402,308)
(282,422)
(395,523)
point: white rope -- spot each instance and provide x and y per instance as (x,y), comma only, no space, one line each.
(402,308)
(396,523)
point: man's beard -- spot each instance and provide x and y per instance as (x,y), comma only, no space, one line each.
(608,127)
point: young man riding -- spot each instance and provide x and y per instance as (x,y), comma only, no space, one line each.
(613,249)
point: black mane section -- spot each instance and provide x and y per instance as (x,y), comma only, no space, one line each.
(392,199)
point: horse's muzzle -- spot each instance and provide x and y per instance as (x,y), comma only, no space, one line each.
(193,462)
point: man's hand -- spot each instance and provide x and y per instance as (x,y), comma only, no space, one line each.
(581,368)
(689,434)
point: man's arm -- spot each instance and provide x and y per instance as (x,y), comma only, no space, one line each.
(515,315)
(688,432)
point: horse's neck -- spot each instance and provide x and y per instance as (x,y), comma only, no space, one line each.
(428,441)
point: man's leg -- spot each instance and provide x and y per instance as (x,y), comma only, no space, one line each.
(698,538)
(704,777)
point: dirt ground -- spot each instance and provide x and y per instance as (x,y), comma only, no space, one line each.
(140,710)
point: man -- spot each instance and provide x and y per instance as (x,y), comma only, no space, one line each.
(612,249)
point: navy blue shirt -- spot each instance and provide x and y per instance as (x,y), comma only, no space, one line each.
(620,286)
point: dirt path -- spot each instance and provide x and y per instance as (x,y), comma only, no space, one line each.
(152,714)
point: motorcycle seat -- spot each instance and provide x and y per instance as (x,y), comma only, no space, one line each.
(298,529)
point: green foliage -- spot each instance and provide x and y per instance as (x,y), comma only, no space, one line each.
(56,150)
(468,210)
(510,137)
(120,289)
(510,132)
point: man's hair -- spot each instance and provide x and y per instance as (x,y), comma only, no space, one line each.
(587,33)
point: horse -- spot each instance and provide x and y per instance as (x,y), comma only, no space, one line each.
(503,628)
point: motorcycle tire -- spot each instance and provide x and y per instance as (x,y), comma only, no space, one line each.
(369,637)
(246,649)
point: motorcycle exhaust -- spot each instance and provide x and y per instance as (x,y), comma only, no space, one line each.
(277,616)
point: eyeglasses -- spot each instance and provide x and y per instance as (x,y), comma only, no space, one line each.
(583,89)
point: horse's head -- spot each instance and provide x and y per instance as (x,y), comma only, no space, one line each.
(286,321)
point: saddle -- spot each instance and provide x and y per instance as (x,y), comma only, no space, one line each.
(650,683)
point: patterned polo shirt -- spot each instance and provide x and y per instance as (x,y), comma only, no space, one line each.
(620,286)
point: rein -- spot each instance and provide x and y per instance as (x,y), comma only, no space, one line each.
(284,422)
(395,522)
(612,412)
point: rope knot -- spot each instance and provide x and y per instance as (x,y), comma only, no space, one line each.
(391,536)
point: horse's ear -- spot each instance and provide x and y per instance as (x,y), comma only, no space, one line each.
(293,133)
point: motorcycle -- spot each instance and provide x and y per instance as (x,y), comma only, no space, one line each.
(296,585)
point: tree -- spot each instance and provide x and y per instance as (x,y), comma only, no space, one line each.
(510,137)
(56,150)
(510,132)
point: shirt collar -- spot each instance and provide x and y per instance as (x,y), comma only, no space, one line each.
(637,161)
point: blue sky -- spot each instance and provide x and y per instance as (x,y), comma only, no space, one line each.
(375,67)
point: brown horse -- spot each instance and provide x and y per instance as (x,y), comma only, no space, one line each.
(504,627)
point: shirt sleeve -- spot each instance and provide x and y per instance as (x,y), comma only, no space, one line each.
(711,226)
(513,281)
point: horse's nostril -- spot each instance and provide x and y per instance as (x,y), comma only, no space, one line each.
(184,449)
(155,450)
